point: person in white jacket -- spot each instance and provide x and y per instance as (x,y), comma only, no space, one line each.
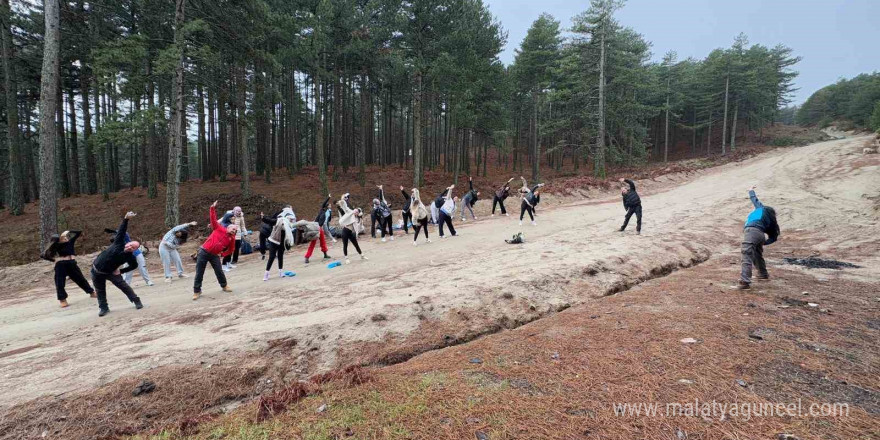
(348,222)
(419,215)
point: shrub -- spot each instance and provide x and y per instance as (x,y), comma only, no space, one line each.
(875,118)
(782,141)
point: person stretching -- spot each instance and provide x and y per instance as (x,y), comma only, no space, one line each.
(236,218)
(106,267)
(62,246)
(348,222)
(447,210)
(324,216)
(417,208)
(530,199)
(171,242)
(266,225)
(220,243)
(406,212)
(761,229)
(386,223)
(142,265)
(632,204)
(501,194)
(469,200)
(280,239)
(313,233)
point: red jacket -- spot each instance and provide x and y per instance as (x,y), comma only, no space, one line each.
(219,242)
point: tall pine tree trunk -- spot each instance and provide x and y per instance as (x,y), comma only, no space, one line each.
(724,130)
(74,147)
(600,133)
(61,144)
(203,142)
(152,143)
(417,131)
(241,91)
(48,85)
(319,136)
(666,131)
(733,126)
(172,187)
(88,142)
(13,135)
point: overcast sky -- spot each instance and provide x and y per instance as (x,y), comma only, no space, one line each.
(836,38)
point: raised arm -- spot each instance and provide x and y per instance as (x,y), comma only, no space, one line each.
(326,203)
(212,212)
(632,185)
(123,229)
(471,183)
(73,235)
(754,198)
(405,195)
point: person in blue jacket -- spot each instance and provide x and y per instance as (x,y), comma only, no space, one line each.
(761,229)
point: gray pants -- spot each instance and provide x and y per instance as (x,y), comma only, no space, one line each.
(142,268)
(170,256)
(753,254)
(468,206)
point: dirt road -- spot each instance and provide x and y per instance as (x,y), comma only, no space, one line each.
(827,190)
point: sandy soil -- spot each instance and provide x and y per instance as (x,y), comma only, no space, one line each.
(573,255)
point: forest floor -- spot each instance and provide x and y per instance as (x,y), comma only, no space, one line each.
(615,307)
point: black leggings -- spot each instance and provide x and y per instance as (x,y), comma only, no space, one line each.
(349,235)
(637,210)
(100,282)
(407,216)
(275,251)
(446,219)
(234,257)
(525,207)
(500,202)
(418,226)
(65,269)
(263,238)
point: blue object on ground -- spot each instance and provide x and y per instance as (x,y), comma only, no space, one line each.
(289,274)
(333,264)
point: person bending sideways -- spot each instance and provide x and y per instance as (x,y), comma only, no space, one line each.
(417,208)
(266,225)
(469,200)
(500,196)
(280,239)
(406,212)
(386,222)
(632,204)
(312,233)
(761,229)
(168,250)
(530,199)
(106,267)
(62,247)
(324,216)
(219,244)
(349,221)
(447,210)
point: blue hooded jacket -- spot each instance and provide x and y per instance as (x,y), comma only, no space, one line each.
(763,218)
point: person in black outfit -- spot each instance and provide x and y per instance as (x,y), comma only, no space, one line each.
(406,214)
(633,205)
(500,195)
(106,267)
(387,223)
(63,247)
(324,216)
(266,225)
(530,199)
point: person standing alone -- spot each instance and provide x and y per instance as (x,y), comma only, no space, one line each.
(632,204)
(761,229)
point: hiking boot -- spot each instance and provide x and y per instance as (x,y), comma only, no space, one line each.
(763,277)
(307,260)
(226,288)
(103,312)
(742,285)
(327,256)
(64,303)
(138,304)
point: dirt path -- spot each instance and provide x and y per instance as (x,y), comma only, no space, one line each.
(828,187)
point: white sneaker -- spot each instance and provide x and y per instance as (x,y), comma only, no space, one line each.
(280,273)
(182,275)
(168,279)
(475,217)
(415,243)
(347,261)
(150,283)
(383,240)
(226,269)
(232,266)
(493,215)
(266,276)
(534,223)
(334,240)
(442,237)
(507,215)
(463,220)
(520,222)
(392,238)
(364,257)
(428,241)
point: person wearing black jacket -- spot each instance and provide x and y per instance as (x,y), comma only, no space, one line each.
(500,195)
(632,204)
(530,199)
(266,225)
(106,267)
(406,214)
(62,246)
(386,222)
(469,200)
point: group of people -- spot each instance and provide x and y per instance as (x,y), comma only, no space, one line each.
(278,233)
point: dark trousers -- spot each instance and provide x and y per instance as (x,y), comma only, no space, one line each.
(500,202)
(263,238)
(65,269)
(446,219)
(275,251)
(419,226)
(349,235)
(753,254)
(202,261)
(524,208)
(234,257)
(637,210)
(100,282)
(387,226)
(407,218)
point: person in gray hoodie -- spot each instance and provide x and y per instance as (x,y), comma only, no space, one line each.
(469,200)
(420,215)
(313,233)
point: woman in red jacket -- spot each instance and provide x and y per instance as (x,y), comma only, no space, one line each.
(219,244)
